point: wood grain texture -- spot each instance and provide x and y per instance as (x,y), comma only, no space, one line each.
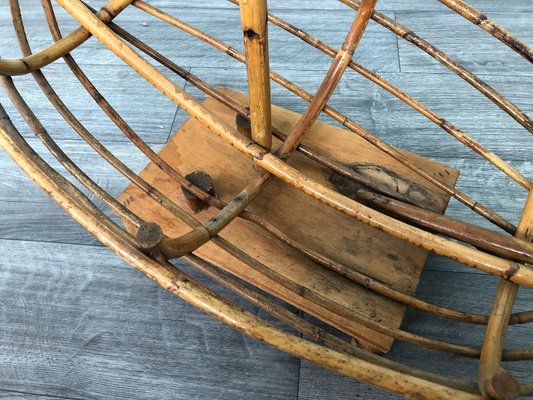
(98,329)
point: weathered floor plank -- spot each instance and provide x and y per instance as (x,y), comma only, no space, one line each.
(122,87)
(96,328)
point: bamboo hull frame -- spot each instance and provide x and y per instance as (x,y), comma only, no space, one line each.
(412,225)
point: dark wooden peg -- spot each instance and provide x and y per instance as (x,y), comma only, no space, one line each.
(149,237)
(203,181)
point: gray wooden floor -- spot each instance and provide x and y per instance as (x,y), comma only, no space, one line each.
(78,323)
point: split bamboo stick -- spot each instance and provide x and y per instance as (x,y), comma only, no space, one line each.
(254,27)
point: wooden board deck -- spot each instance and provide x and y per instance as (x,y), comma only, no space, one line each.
(341,238)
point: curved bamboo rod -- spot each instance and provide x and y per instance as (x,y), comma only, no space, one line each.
(494,380)
(57,50)
(314,332)
(344,120)
(447,126)
(73,201)
(515,272)
(362,279)
(488,25)
(40,131)
(403,32)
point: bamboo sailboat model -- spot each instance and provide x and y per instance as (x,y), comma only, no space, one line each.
(333,221)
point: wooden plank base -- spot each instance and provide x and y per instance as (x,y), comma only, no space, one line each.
(195,148)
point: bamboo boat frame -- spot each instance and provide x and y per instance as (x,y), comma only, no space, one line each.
(506,256)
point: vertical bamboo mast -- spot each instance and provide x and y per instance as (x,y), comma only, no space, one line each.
(494,381)
(254,21)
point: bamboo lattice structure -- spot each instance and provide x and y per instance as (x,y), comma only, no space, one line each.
(507,256)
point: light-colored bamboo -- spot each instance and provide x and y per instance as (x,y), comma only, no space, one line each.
(57,50)
(254,25)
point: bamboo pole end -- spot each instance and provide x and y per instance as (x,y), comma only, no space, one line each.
(149,237)
(203,181)
(501,386)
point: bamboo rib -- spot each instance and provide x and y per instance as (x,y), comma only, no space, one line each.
(347,122)
(255,33)
(60,189)
(488,25)
(331,80)
(410,101)
(57,50)
(491,373)
(515,272)
(39,130)
(357,277)
(201,297)
(403,32)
